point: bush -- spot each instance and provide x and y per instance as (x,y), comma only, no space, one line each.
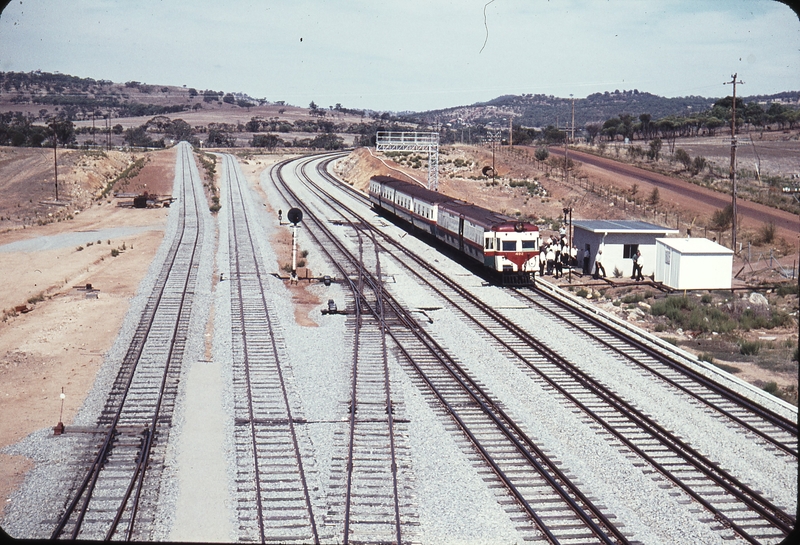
(706,357)
(114,252)
(787,289)
(583,292)
(633,298)
(749,348)
(766,233)
(772,388)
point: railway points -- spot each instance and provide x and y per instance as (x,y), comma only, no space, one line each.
(434,406)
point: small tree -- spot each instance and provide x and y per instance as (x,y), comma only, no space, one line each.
(766,233)
(683,158)
(634,191)
(655,149)
(654,197)
(722,219)
(698,165)
(541,154)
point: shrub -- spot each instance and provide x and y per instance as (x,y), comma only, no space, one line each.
(583,292)
(706,298)
(633,298)
(79,248)
(749,348)
(114,252)
(766,233)
(706,357)
(787,289)
(772,388)
(617,273)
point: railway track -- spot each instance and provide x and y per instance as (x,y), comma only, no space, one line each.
(735,504)
(116,494)
(273,499)
(560,512)
(375,505)
(775,430)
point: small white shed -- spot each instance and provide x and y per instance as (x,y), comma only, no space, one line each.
(693,264)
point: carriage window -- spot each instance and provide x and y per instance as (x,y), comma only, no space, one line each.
(528,244)
(509,245)
(489,243)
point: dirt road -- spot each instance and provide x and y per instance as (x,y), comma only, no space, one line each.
(691,197)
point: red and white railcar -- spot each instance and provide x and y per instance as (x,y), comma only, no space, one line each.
(497,241)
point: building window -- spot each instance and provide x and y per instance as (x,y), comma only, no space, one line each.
(629,250)
(667,253)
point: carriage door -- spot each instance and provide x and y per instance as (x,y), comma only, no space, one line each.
(461,233)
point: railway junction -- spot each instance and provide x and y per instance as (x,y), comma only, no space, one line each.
(432,407)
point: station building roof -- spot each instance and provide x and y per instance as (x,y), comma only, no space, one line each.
(695,246)
(622,226)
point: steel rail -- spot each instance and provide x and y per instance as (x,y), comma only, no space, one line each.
(125,378)
(661,356)
(502,421)
(249,241)
(726,393)
(754,500)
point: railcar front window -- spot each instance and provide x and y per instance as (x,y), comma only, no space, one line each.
(528,244)
(509,245)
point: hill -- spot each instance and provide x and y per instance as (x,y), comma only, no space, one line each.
(543,110)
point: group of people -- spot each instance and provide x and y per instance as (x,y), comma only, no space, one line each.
(555,255)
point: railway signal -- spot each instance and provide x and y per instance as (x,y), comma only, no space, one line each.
(295,216)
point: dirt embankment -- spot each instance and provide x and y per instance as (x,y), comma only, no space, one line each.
(61,339)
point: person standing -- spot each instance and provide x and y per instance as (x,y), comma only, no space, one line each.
(635,272)
(637,266)
(542,259)
(598,265)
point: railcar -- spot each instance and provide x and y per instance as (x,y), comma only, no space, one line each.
(508,247)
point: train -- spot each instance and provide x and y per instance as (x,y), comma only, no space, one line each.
(507,247)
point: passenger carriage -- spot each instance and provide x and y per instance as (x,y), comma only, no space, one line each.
(509,248)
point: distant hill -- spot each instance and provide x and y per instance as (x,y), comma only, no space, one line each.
(543,110)
(40,95)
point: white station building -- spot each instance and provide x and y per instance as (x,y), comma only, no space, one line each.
(693,264)
(618,240)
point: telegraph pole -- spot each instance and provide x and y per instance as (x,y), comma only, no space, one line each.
(733,160)
(55,154)
(572,137)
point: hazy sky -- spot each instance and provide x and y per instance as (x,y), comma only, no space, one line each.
(411,54)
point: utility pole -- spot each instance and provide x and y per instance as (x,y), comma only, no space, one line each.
(572,138)
(510,131)
(55,154)
(733,160)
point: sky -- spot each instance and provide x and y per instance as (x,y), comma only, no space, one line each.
(411,55)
